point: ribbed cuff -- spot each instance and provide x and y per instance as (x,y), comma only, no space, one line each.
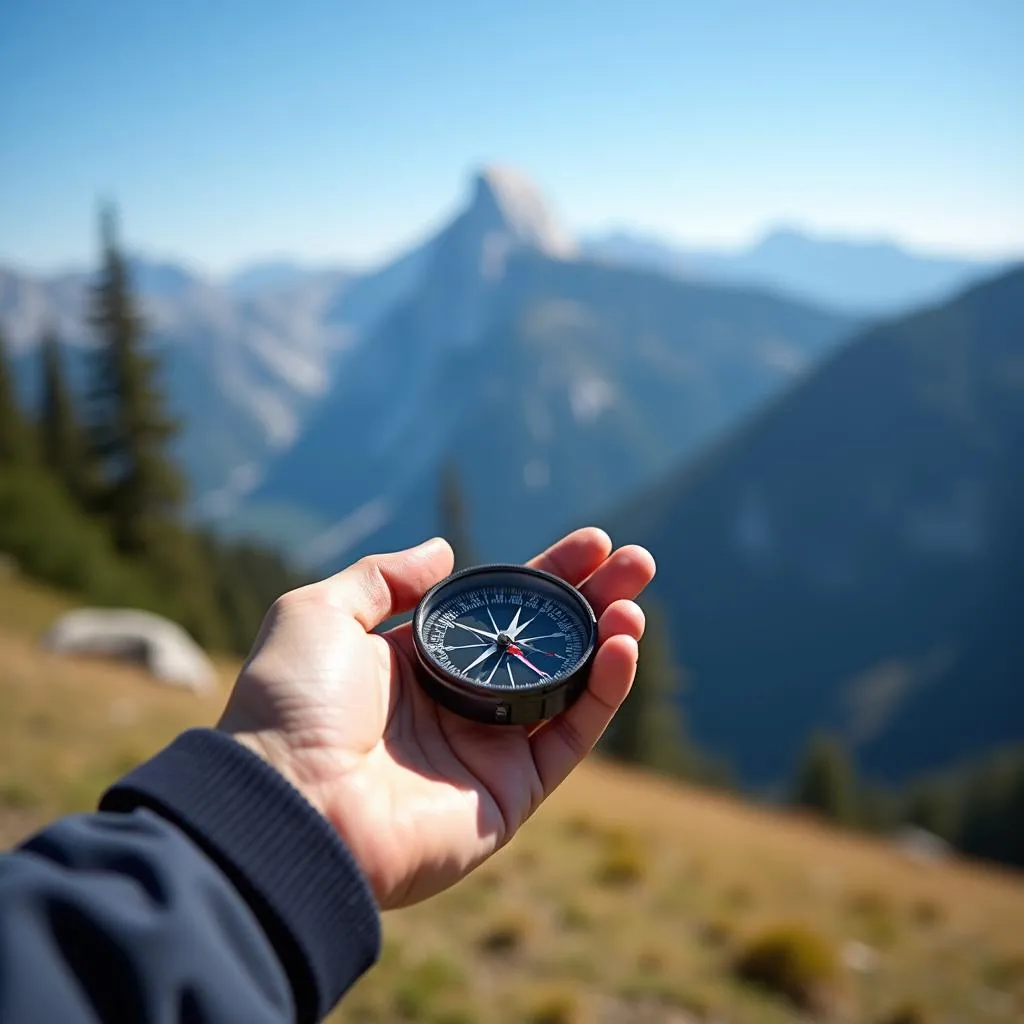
(282,855)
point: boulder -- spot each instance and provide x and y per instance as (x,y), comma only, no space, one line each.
(161,646)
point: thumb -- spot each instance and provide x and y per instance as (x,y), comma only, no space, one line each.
(378,586)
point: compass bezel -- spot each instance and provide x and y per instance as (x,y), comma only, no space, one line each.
(504,705)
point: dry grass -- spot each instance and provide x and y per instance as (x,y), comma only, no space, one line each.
(694,877)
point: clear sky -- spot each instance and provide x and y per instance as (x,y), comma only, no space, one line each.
(342,130)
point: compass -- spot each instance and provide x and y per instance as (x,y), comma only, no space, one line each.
(504,643)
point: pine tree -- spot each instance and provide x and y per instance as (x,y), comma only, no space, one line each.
(62,441)
(825,780)
(648,728)
(15,435)
(141,490)
(453,517)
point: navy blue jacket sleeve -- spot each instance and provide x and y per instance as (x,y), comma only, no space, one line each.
(206,889)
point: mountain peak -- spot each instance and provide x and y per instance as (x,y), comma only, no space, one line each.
(507,201)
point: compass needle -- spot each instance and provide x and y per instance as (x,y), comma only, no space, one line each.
(469,669)
(483,657)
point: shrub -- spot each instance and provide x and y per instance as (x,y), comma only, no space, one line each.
(908,1013)
(927,912)
(424,985)
(506,933)
(576,917)
(556,1006)
(623,860)
(716,932)
(792,961)
(1006,973)
(874,915)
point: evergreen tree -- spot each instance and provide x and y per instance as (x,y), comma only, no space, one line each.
(648,728)
(452,515)
(141,490)
(825,780)
(15,435)
(62,440)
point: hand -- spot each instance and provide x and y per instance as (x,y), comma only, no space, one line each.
(419,795)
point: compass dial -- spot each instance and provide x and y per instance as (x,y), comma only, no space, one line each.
(504,643)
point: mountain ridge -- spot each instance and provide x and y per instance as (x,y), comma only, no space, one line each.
(847,558)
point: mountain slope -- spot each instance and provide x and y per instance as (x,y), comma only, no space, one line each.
(243,363)
(854,557)
(866,277)
(556,385)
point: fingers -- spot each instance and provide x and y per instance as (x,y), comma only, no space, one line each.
(623,575)
(563,742)
(576,555)
(624,617)
(379,586)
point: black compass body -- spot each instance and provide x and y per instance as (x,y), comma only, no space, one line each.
(504,644)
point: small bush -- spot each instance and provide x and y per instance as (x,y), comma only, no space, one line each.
(908,1013)
(1006,973)
(426,984)
(739,896)
(716,932)
(18,795)
(576,917)
(792,961)
(582,826)
(623,860)
(875,917)
(506,933)
(556,1006)
(927,912)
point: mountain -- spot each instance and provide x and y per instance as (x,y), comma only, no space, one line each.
(243,363)
(267,276)
(863,277)
(853,557)
(554,384)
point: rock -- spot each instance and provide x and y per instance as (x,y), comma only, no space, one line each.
(161,646)
(918,844)
(860,957)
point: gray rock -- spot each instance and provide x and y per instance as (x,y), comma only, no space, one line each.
(161,646)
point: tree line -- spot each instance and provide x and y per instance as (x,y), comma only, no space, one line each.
(978,808)
(91,497)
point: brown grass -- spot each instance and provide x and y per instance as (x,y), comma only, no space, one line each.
(706,874)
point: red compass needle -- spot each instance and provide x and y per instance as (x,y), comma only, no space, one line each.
(516,653)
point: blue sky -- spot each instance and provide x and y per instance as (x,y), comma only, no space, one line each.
(342,130)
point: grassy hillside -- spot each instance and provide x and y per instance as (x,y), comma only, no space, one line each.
(626,899)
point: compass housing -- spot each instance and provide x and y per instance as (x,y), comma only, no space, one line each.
(501,671)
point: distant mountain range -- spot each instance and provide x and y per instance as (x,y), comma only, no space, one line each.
(318,402)
(852,557)
(861,277)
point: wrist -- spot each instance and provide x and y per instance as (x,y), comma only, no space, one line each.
(270,747)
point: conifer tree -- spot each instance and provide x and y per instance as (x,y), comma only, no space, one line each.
(825,780)
(452,515)
(648,728)
(141,489)
(15,433)
(62,441)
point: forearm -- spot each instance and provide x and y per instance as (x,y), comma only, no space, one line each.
(206,889)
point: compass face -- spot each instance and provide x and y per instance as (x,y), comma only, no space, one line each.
(506,629)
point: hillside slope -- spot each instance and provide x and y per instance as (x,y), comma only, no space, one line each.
(854,557)
(624,901)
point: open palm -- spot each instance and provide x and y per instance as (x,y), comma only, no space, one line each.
(420,795)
